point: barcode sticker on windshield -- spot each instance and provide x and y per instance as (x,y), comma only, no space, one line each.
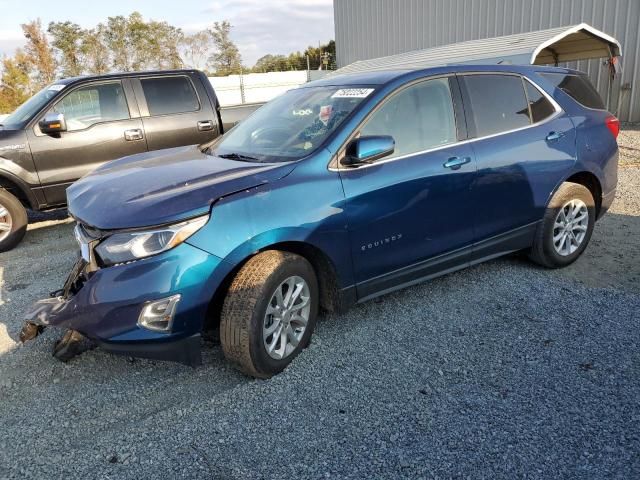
(352,93)
(56,87)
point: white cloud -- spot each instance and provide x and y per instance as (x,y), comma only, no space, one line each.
(276,26)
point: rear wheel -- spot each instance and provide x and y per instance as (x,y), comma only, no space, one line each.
(269,313)
(566,227)
(13,221)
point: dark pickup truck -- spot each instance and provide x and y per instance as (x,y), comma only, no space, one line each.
(74,125)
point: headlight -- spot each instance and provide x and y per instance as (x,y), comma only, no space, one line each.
(129,246)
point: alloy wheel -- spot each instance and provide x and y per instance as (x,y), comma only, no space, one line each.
(286,318)
(570,227)
(5,222)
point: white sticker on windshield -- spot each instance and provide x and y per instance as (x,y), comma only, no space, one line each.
(56,87)
(352,93)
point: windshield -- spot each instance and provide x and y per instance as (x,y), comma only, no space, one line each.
(291,126)
(28,109)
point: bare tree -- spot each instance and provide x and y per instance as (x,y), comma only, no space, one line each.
(196,49)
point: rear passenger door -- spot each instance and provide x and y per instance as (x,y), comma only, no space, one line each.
(175,111)
(523,144)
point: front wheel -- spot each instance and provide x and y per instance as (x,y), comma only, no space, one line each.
(13,221)
(566,227)
(269,313)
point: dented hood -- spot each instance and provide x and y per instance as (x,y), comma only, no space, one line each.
(163,186)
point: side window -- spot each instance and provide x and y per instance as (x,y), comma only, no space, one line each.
(541,108)
(93,104)
(418,118)
(498,103)
(166,95)
(578,87)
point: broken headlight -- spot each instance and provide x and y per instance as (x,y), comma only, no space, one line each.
(129,246)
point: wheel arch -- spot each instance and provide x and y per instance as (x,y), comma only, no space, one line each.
(592,183)
(326,272)
(18,189)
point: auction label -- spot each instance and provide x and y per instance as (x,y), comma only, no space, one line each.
(352,93)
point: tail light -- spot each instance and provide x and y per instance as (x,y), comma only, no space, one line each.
(613,124)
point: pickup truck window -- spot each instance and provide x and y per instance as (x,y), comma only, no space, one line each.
(28,109)
(291,126)
(86,106)
(419,117)
(498,103)
(167,95)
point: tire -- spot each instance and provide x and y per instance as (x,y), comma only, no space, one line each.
(545,251)
(13,221)
(244,317)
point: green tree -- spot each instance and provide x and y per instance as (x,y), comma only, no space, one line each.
(67,39)
(162,43)
(39,53)
(15,83)
(226,59)
(117,41)
(95,51)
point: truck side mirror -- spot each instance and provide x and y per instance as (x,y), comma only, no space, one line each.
(368,149)
(53,123)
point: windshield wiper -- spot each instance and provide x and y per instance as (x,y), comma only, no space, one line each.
(238,156)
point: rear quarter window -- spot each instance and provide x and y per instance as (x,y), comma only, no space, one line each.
(577,87)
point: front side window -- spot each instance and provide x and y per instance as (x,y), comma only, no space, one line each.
(498,103)
(167,95)
(419,118)
(86,106)
(578,87)
(291,126)
(540,106)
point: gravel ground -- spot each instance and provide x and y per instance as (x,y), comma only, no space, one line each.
(504,370)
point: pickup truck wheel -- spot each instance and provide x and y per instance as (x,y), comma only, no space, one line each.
(566,227)
(13,221)
(269,313)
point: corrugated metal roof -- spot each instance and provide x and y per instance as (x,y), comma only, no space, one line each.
(562,44)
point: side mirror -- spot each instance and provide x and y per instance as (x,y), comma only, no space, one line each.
(53,123)
(368,149)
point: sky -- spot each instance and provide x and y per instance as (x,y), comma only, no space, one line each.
(259,26)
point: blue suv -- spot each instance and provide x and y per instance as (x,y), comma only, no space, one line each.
(334,193)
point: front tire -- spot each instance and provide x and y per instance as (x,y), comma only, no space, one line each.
(269,313)
(566,227)
(13,221)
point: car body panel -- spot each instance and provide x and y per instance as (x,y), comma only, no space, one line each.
(442,219)
(163,187)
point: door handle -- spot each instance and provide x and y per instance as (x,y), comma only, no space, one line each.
(553,136)
(454,163)
(133,134)
(205,125)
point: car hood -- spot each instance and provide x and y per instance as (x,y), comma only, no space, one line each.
(163,186)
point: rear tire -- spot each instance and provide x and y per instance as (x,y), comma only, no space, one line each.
(13,221)
(269,313)
(566,227)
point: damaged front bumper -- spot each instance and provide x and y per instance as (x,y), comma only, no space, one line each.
(105,304)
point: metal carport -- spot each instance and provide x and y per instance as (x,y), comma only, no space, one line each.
(542,47)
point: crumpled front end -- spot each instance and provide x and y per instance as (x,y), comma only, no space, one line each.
(108,305)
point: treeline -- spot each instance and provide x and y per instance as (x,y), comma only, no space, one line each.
(131,43)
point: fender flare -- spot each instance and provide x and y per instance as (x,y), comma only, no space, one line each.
(22,186)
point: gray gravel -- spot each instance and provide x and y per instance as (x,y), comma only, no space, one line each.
(504,370)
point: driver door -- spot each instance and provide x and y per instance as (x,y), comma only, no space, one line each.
(100,128)
(410,214)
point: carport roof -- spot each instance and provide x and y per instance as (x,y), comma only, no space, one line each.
(542,47)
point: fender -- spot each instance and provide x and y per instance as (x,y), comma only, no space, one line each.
(14,173)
